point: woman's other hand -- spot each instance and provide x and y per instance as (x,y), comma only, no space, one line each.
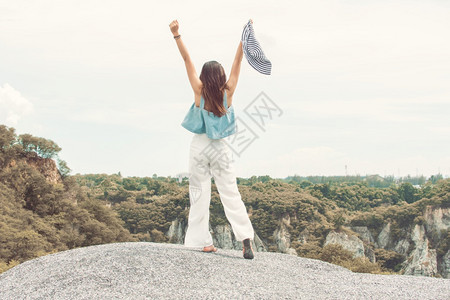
(174,27)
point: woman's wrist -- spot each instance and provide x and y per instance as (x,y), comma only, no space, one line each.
(175,33)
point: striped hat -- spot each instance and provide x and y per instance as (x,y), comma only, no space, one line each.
(253,52)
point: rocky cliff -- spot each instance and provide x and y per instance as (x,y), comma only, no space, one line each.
(415,242)
(222,235)
(46,166)
(224,238)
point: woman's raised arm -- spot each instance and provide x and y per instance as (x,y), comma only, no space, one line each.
(235,69)
(196,84)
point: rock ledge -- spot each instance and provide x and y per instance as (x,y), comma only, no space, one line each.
(169,271)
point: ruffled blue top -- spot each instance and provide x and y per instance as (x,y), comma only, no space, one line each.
(199,120)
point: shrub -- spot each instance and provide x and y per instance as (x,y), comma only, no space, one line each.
(336,254)
(6,266)
(362,265)
(157,236)
(390,260)
(309,250)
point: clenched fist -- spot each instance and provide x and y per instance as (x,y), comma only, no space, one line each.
(174,27)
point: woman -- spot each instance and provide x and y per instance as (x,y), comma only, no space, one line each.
(211,118)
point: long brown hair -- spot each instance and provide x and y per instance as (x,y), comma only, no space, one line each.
(214,82)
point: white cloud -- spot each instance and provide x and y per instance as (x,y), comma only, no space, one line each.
(13,106)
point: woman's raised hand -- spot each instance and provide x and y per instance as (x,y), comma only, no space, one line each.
(174,27)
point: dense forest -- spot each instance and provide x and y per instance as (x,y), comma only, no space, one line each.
(41,214)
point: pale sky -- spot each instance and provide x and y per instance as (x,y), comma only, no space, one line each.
(362,84)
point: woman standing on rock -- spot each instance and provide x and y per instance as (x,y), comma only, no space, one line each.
(211,119)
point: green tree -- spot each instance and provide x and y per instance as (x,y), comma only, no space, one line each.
(7,137)
(435,178)
(63,167)
(43,147)
(407,192)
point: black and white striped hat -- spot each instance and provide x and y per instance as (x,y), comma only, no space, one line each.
(253,52)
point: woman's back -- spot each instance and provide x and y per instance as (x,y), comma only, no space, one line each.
(207,106)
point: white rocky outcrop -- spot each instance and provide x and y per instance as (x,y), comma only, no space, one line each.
(222,235)
(364,233)
(282,237)
(446,265)
(384,236)
(349,242)
(176,232)
(437,219)
(422,260)
(415,243)
(402,246)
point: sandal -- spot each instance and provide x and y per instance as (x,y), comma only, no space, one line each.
(209,249)
(247,249)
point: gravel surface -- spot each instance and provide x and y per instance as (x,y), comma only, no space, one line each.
(168,271)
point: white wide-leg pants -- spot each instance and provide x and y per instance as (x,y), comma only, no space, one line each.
(213,158)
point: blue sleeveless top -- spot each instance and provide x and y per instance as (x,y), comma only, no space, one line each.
(199,120)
